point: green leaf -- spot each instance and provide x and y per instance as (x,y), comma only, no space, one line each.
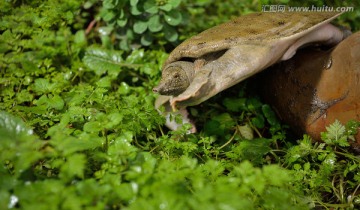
(258,121)
(80,38)
(124,44)
(6,35)
(104,82)
(254,150)
(246,131)
(114,119)
(154,23)
(127,191)
(151,7)
(121,22)
(109,16)
(88,4)
(73,167)
(225,119)
(330,161)
(146,39)
(108,4)
(43,86)
(136,56)
(101,60)
(269,114)
(211,127)
(335,135)
(56,102)
(135,11)
(24,96)
(219,124)
(170,33)
(105,31)
(140,27)
(51,102)
(134,2)
(19,148)
(174,3)
(253,104)
(11,126)
(276,175)
(68,145)
(173,18)
(235,105)
(166,7)
(94,126)
(124,88)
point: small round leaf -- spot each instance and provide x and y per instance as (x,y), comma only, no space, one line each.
(140,27)
(108,4)
(95,126)
(133,2)
(166,7)
(124,45)
(135,11)
(258,121)
(170,33)
(121,22)
(108,16)
(174,3)
(151,7)
(146,39)
(154,23)
(122,14)
(173,18)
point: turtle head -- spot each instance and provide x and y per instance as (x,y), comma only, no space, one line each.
(176,77)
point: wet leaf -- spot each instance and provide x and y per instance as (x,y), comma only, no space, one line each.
(173,18)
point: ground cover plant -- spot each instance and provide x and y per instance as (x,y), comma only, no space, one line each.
(78,127)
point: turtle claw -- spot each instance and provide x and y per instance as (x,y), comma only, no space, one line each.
(169,112)
(188,96)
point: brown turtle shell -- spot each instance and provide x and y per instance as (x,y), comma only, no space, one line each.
(252,28)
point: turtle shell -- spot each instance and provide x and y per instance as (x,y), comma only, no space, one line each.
(252,28)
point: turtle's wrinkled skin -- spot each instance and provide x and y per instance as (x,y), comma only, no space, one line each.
(311,95)
(225,55)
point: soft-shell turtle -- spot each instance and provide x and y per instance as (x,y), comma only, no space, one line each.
(224,55)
